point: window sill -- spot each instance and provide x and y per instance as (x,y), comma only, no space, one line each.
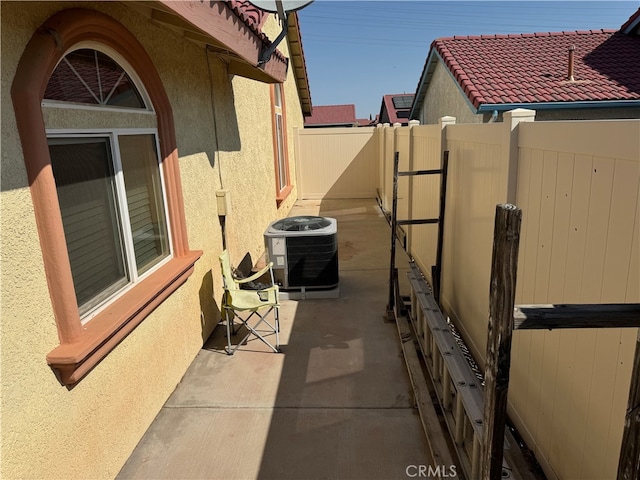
(101,335)
(282,196)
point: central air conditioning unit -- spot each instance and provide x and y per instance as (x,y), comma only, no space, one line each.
(304,252)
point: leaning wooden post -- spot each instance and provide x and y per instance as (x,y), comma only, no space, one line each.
(504,265)
(629,463)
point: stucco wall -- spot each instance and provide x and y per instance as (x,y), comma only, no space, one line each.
(444,98)
(49,431)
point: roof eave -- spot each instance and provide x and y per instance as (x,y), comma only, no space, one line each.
(631,24)
(215,24)
(423,84)
(296,52)
(501,107)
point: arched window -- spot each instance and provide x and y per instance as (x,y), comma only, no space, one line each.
(99,148)
(108,181)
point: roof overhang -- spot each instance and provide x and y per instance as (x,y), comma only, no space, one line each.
(216,25)
(299,67)
(501,107)
(632,25)
(423,84)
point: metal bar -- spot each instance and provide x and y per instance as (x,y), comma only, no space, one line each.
(265,55)
(614,315)
(398,305)
(419,172)
(394,214)
(417,222)
(437,275)
(502,290)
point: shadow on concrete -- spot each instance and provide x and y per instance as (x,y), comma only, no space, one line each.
(343,407)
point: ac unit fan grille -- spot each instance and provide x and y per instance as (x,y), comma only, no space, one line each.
(312,261)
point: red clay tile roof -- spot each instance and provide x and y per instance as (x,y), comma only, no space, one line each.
(332,115)
(531,68)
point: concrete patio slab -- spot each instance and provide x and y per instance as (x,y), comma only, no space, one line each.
(336,403)
(296,444)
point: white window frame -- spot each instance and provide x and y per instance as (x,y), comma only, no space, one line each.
(123,212)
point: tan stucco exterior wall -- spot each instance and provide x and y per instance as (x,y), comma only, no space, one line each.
(444,99)
(49,431)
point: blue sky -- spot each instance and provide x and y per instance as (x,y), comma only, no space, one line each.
(358,51)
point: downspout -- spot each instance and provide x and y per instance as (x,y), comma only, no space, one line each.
(494,116)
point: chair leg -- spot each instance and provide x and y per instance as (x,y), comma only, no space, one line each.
(277,315)
(227,315)
(253,330)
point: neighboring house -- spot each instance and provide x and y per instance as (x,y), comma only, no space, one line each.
(395,108)
(123,124)
(332,116)
(577,75)
(365,122)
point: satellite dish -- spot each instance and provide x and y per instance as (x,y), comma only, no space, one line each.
(287,5)
(282,8)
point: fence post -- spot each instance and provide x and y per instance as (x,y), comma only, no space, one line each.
(511,119)
(412,123)
(443,122)
(504,266)
(380,158)
(444,150)
(629,463)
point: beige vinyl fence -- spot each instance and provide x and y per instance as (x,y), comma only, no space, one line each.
(577,184)
(337,163)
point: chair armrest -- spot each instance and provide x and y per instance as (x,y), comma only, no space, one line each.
(256,275)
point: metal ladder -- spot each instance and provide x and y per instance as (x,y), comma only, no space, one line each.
(394,294)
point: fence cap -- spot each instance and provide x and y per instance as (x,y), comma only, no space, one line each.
(520,112)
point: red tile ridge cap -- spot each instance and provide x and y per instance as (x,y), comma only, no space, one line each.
(524,35)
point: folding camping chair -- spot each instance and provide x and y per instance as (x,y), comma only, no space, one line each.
(246,305)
